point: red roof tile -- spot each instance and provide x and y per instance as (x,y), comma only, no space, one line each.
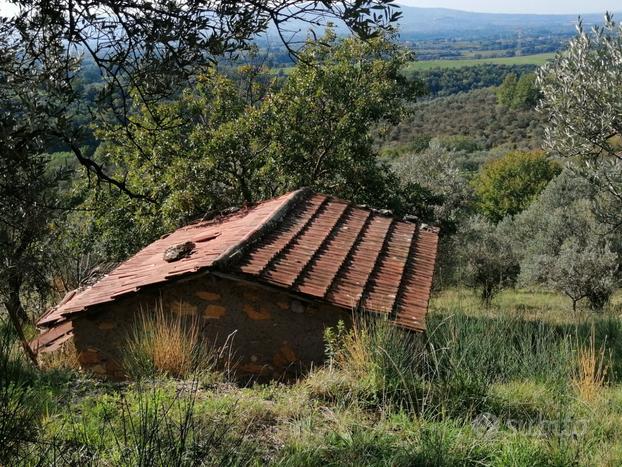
(310,244)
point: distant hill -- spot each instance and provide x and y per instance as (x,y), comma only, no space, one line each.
(437,23)
(428,23)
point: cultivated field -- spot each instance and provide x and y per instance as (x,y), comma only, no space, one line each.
(538,59)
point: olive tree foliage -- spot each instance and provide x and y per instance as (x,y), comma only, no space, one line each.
(582,271)
(435,169)
(487,261)
(235,140)
(583,104)
(561,244)
(146,51)
(448,199)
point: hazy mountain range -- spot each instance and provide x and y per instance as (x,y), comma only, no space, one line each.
(443,22)
(440,23)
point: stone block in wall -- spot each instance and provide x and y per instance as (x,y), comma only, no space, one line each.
(183,308)
(214,311)
(285,356)
(208,296)
(260,369)
(106,325)
(256,312)
(89,356)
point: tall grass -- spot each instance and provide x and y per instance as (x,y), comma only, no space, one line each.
(593,366)
(449,370)
(19,407)
(147,426)
(164,343)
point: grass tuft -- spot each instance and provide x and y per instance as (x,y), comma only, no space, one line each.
(163,343)
(593,366)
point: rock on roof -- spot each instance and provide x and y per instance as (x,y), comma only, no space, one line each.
(309,244)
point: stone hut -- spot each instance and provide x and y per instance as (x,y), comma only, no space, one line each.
(267,279)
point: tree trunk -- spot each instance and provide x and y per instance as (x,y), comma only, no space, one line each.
(17,314)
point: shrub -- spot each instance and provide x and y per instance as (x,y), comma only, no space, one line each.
(162,342)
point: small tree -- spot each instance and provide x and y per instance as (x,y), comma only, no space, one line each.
(487,258)
(526,93)
(516,93)
(505,93)
(508,185)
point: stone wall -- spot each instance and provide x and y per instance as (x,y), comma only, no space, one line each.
(266,332)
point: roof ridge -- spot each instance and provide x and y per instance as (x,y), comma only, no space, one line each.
(237,250)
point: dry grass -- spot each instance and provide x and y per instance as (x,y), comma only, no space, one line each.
(165,343)
(66,358)
(593,365)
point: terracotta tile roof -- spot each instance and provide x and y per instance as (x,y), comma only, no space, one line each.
(310,244)
(53,338)
(349,256)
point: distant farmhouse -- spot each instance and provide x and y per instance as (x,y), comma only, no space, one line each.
(269,278)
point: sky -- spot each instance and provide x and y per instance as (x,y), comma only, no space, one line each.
(491,6)
(522,6)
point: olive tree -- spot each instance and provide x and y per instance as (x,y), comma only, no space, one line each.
(583,105)
(435,169)
(561,244)
(581,271)
(488,262)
